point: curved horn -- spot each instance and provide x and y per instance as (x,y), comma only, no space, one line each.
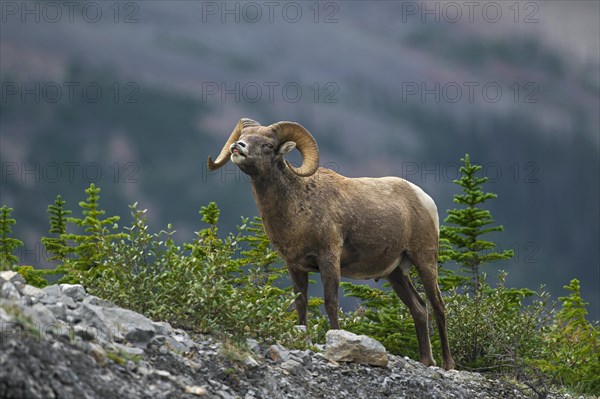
(305,143)
(225,155)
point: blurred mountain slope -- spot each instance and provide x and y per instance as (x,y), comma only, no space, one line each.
(194,76)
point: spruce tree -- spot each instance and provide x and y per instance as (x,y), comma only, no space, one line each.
(574,344)
(91,246)
(207,239)
(7,244)
(260,254)
(57,245)
(461,239)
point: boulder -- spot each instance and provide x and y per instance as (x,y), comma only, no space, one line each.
(162,327)
(344,346)
(277,353)
(9,291)
(12,277)
(180,341)
(68,301)
(91,319)
(52,292)
(292,366)
(74,291)
(5,319)
(32,292)
(134,327)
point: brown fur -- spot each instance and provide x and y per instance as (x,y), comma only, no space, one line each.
(360,228)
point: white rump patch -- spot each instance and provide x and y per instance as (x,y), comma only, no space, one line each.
(428,203)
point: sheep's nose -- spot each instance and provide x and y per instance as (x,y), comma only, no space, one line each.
(241,144)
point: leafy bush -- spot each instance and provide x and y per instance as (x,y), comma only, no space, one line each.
(236,286)
(229,286)
(204,286)
(492,328)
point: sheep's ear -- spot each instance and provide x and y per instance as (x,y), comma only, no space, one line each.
(286,147)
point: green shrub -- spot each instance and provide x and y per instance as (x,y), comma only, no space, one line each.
(204,286)
(236,286)
(35,277)
(8,245)
(489,330)
(573,345)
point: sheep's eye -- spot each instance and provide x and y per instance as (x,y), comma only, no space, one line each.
(268,145)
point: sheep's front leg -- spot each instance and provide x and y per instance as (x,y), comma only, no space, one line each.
(300,284)
(330,276)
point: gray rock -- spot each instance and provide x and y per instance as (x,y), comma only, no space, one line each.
(134,327)
(158,344)
(196,390)
(94,300)
(292,366)
(225,395)
(304,357)
(97,352)
(179,343)
(74,291)
(91,317)
(250,362)
(277,353)
(162,327)
(183,338)
(41,317)
(10,276)
(59,310)
(68,301)
(52,290)
(5,318)
(9,291)
(43,366)
(32,292)
(349,347)
(48,300)
(51,294)
(87,333)
(25,301)
(129,350)
(253,345)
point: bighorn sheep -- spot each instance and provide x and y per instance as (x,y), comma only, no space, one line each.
(320,221)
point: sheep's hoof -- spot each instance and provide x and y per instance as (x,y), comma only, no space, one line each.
(449,366)
(428,361)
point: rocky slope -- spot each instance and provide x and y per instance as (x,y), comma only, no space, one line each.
(60,342)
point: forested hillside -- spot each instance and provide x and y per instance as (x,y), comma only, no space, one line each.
(136,101)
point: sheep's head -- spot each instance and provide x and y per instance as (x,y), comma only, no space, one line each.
(255,148)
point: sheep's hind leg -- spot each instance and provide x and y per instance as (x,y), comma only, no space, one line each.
(427,269)
(418,310)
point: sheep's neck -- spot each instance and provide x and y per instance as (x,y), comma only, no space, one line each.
(273,192)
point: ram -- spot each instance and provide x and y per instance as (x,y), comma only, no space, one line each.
(320,221)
